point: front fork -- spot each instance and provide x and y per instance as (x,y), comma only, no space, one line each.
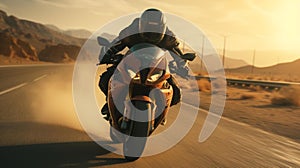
(129,114)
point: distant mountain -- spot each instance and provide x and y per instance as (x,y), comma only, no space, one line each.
(79,33)
(26,39)
(229,63)
(263,58)
(290,68)
(53,27)
(234,63)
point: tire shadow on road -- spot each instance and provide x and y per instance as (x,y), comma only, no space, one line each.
(68,154)
(31,144)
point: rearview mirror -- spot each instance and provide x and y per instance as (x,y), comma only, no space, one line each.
(189,56)
(103,41)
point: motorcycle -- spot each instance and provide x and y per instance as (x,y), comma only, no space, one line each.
(139,96)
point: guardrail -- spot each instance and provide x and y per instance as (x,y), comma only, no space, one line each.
(247,82)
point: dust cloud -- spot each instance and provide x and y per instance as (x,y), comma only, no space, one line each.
(288,95)
(52,101)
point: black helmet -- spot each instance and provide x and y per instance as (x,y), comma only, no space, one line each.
(152,25)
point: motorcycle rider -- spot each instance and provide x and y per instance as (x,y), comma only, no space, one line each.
(149,28)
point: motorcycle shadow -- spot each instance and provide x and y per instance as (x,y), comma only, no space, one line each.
(74,154)
(63,154)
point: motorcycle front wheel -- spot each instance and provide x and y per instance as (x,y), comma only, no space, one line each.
(113,136)
(134,144)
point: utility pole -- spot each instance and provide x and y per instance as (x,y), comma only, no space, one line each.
(202,52)
(277,65)
(253,61)
(224,48)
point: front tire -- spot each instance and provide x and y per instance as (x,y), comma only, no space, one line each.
(113,135)
(134,144)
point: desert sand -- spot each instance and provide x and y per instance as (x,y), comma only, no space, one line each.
(255,107)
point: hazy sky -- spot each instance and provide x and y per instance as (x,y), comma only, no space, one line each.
(249,24)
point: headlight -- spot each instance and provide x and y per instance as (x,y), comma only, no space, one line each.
(133,75)
(155,76)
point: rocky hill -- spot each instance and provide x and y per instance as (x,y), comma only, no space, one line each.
(59,53)
(79,33)
(13,47)
(26,39)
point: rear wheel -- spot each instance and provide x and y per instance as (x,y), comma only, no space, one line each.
(134,144)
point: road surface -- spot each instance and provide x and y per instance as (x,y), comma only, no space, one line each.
(39,128)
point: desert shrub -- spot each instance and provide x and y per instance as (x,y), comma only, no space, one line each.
(287,96)
(204,85)
(246,96)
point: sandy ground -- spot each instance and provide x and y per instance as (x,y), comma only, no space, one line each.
(258,111)
(266,76)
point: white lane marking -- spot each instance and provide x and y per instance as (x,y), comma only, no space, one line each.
(39,78)
(21,85)
(244,124)
(224,118)
(13,88)
(32,65)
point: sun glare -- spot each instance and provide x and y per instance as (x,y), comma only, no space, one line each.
(287,25)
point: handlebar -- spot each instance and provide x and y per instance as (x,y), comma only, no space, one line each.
(181,71)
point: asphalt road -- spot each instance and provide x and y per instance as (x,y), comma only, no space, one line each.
(33,137)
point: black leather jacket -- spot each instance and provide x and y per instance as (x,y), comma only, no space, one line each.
(130,36)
